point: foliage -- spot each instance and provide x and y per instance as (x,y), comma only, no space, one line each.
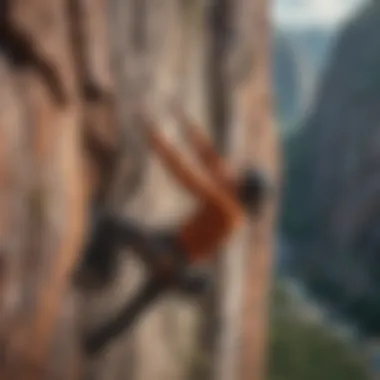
(300,348)
(304,350)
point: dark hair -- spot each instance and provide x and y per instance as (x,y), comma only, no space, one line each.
(253,188)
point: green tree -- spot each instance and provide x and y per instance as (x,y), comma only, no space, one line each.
(304,350)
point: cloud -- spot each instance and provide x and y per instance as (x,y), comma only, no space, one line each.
(301,13)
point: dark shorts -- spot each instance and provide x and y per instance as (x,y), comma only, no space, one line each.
(110,234)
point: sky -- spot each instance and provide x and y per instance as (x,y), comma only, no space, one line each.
(324,13)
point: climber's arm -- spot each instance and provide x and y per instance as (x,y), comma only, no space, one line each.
(194,181)
(205,149)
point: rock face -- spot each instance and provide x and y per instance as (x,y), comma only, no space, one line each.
(332,209)
(67,114)
(71,74)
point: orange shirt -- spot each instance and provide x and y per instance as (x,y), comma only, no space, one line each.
(208,229)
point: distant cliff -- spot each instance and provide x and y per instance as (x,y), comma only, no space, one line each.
(295,71)
(299,58)
(332,201)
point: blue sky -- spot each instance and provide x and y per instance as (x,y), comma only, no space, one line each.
(301,13)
